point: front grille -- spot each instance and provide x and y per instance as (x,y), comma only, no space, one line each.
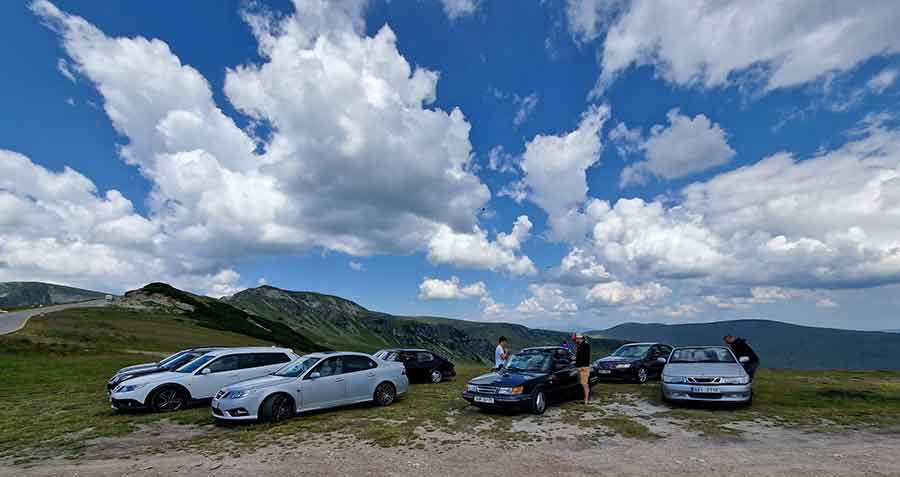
(486,389)
(705,395)
(704,380)
(220,394)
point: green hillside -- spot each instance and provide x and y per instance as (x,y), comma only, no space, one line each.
(337,323)
(214,314)
(28,294)
(780,345)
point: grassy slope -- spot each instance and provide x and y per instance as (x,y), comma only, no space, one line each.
(18,295)
(780,345)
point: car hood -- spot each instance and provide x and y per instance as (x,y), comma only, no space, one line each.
(159,377)
(704,369)
(121,376)
(137,367)
(616,360)
(505,378)
(260,382)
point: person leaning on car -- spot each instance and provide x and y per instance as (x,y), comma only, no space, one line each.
(583,363)
(740,348)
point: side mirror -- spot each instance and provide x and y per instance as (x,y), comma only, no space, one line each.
(205,371)
(661,360)
(315,375)
(744,359)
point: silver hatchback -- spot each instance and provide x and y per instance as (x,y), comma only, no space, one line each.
(705,373)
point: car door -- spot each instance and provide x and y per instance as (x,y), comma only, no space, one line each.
(222,371)
(359,371)
(328,388)
(413,367)
(254,365)
(564,376)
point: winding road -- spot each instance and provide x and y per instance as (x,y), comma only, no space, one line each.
(14,320)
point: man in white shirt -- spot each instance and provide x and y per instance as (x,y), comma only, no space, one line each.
(501,353)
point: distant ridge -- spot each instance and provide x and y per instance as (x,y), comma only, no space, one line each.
(18,294)
(780,345)
(339,323)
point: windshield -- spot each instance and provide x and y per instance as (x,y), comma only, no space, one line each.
(632,351)
(171,358)
(174,362)
(195,364)
(296,368)
(538,362)
(702,355)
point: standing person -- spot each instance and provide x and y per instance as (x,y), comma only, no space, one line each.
(583,363)
(740,348)
(501,353)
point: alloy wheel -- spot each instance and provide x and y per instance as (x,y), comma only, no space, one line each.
(436,376)
(281,408)
(642,375)
(384,394)
(540,402)
(168,400)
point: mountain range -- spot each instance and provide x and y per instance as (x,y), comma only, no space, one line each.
(20,294)
(779,345)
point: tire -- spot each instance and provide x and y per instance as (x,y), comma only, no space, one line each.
(641,376)
(276,408)
(435,376)
(538,402)
(168,399)
(385,393)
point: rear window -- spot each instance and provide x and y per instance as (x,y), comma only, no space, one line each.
(353,364)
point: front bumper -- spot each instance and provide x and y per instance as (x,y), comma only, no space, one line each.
(500,401)
(244,409)
(617,374)
(726,393)
(125,404)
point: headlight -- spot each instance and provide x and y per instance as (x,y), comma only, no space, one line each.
(623,366)
(515,390)
(238,394)
(471,388)
(127,388)
(673,379)
(736,380)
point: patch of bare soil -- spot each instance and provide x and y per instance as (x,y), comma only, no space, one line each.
(764,450)
(146,436)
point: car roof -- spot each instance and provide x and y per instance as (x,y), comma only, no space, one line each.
(250,349)
(703,346)
(325,354)
(544,348)
(644,343)
(405,349)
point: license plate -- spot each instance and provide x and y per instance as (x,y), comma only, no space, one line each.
(704,390)
(604,371)
(485,400)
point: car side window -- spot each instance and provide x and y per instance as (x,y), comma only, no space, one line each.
(353,364)
(653,352)
(225,363)
(423,357)
(329,367)
(255,360)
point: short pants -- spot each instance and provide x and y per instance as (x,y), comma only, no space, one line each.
(584,374)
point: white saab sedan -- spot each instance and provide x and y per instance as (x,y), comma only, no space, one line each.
(315,381)
(705,373)
(199,379)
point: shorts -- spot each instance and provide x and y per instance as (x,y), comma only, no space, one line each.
(584,374)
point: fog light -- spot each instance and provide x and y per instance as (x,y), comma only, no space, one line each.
(239,412)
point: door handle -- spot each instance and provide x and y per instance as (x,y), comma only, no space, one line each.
(339,380)
(371,375)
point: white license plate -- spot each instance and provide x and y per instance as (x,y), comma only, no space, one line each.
(604,371)
(704,390)
(485,400)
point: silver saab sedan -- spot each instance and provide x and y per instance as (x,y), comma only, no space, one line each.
(314,381)
(705,373)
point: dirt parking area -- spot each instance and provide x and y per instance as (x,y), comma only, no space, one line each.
(559,443)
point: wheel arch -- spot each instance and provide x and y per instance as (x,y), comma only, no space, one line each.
(178,386)
(262,401)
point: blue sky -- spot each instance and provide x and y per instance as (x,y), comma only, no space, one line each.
(569,165)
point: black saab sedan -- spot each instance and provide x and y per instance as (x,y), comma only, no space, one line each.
(532,378)
(635,362)
(421,365)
